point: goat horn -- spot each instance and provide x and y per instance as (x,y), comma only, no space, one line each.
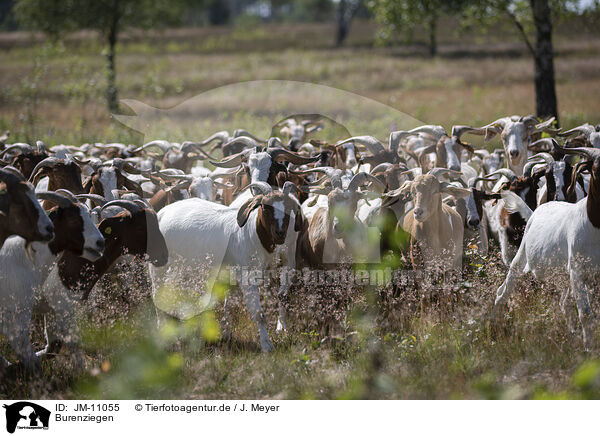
(98,199)
(11,170)
(438,172)
(458,131)
(373,144)
(382,167)
(584,129)
(125,204)
(281,154)
(221,136)
(547,157)
(232,161)
(22,147)
(362,177)
(589,152)
(68,194)
(473,181)
(506,172)
(263,187)
(549,142)
(49,162)
(243,132)
(56,198)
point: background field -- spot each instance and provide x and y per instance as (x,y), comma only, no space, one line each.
(393,348)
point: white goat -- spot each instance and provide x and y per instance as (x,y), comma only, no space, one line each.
(23,271)
(198,232)
(563,239)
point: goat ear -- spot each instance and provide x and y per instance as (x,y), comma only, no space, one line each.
(133,186)
(4,200)
(298,220)
(37,176)
(246,208)
(87,184)
(455,191)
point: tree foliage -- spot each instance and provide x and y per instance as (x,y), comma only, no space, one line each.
(109,17)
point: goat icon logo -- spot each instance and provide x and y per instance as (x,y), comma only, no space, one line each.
(26,415)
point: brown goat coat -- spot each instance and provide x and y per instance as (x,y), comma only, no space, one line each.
(124,234)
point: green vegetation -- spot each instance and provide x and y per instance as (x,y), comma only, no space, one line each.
(443,348)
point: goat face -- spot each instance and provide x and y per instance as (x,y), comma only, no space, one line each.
(63,175)
(106,180)
(515,137)
(276,216)
(474,205)
(26,162)
(137,234)
(426,195)
(202,187)
(259,165)
(76,232)
(341,206)
(448,151)
(273,217)
(21,213)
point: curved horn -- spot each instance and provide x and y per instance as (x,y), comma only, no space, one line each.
(161,144)
(545,126)
(508,173)
(125,204)
(528,168)
(458,131)
(232,161)
(549,142)
(473,181)
(372,144)
(68,194)
(79,161)
(22,147)
(263,187)
(546,157)
(439,172)
(584,129)
(98,199)
(13,171)
(281,154)
(221,137)
(361,178)
(589,152)
(243,132)
(56,198)
(530,121)
(382,167)
(49,162)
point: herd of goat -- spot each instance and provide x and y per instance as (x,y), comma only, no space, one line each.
(68,214)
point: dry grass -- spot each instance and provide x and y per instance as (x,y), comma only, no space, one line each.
(392,348)
(61,99)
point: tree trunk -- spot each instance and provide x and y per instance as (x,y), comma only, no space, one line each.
(432,35)
(342,23)
(111,74)
(545,88)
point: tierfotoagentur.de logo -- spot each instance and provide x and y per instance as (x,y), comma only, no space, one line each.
(25,415)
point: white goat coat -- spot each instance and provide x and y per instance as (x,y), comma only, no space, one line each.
(559,241)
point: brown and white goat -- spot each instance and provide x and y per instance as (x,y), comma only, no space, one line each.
(20,212)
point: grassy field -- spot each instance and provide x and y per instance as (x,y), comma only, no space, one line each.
(57,93)
(387,347)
